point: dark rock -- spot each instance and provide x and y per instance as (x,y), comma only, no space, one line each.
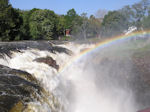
(49,61)
(61,50)
(16,86)
(6,48)
(19,73)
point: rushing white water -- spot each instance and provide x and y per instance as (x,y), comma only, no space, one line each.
(83,86)
(89,95)
(46,75)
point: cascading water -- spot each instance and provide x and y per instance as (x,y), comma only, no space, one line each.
(99,82)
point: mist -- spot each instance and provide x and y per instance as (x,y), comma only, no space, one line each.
(104,81)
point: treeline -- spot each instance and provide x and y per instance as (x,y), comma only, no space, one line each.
(137,15)
(39,24)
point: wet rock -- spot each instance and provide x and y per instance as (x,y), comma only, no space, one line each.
(61,50)
(6,48)
(19,73)
(16,89)
(19,107)
(49,61)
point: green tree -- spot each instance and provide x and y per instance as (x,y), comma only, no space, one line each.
(128,12)
(43,24)
(94,26)
(101,13)
(137,13)
(84,26)
(24,33)
(80,26)
(61,26)
(10,21)
(70,18)
(146,23)
(114,23)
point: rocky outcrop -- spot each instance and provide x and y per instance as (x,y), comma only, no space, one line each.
(49,61)
(6,48)
(61,50)
(16,89)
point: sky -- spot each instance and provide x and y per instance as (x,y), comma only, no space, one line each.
(62,6)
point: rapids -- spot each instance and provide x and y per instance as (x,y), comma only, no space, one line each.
(101,81)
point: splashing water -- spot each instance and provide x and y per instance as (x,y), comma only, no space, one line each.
(46,75)
(97,86)
(98,82)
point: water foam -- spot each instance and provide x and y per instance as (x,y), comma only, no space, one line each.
(82,87)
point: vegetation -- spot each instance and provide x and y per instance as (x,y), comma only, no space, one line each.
(10,21)
(137,15)
(114,23)
(44,24)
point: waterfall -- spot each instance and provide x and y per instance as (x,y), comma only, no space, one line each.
(100,81)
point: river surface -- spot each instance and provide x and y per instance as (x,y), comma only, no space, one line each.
(67,78)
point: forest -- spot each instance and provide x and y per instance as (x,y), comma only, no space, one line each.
(45,24)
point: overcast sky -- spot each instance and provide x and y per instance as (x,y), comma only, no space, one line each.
(62,6)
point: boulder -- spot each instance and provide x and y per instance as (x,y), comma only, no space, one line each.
(16,89)
(49,61)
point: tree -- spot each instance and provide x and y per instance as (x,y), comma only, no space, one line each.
(43,24)
(101,13)
(146,23)
(140,10)
(80,26)
(24,33)
(94,27)
(136,13)
(84,25)
(127,12)
(10,21)
(61,26)
(114,23)
(70,18)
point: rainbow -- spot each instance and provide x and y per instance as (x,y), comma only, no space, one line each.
(103,44)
